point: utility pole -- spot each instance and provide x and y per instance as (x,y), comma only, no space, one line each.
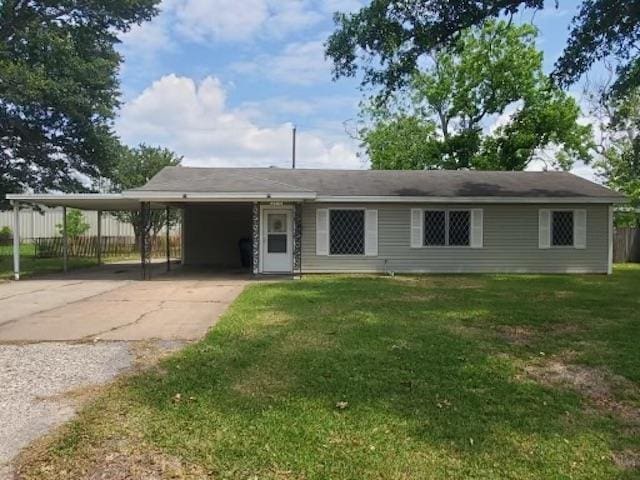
(293,149)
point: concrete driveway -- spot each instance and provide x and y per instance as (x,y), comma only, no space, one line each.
(49,327)
(111,303)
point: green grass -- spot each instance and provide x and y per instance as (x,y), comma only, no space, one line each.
(434,371)
(30,265)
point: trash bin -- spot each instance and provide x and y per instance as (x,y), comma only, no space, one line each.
(246,250)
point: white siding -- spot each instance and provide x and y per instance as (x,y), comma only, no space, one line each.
(510,244)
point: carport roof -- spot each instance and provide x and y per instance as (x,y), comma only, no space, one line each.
(83,201)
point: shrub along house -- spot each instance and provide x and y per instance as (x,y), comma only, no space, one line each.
(312,221)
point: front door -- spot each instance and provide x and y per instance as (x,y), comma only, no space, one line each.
(277,245)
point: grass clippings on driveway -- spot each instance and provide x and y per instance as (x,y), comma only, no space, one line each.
(390,378)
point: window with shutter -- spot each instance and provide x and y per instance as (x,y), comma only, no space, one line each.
(451,228)
(346,232)
(562,228)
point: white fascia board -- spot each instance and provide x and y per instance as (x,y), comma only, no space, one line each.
(472,200)
(163,196)
(35,197)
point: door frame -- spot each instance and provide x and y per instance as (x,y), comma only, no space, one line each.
(264,209)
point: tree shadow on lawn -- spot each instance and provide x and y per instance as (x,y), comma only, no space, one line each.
(260,393)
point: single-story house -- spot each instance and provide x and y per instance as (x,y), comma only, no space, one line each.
(311,221)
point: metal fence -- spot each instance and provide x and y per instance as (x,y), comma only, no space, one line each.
(36,224)
(626,244)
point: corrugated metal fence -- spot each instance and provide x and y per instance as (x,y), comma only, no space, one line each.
(626,244)
(34,224)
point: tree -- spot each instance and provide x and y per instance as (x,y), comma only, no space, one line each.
(134,168)
(619,163)
(439,120)
(75,227)
(387,39)
(59,89)
(401,143)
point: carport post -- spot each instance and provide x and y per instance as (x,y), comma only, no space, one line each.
(16,240)
(65,243)
(168,246)
(99,247)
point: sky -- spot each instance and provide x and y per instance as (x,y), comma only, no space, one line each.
(222,82)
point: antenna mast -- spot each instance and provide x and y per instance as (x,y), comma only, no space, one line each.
(293,149)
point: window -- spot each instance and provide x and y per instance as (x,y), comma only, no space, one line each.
(276,233)
(562,228)
(346,232)
(435,227)
(447,228)
(459,227)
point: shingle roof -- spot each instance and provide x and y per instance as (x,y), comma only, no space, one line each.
(436,183)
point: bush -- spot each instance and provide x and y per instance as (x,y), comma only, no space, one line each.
(5,236)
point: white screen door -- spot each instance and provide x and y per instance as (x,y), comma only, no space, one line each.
(277,255)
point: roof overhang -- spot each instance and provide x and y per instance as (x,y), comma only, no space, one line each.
(131,200)
(194,197)
(472,200)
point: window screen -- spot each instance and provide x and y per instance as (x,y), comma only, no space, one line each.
(562,229)
(277,233)
(346,232)
(459,227)
(447,228)
(434,227)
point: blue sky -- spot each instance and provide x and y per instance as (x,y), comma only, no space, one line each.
(222,81)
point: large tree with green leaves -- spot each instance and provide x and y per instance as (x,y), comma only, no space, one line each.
(134,168)
(59,89)
(439,120)
(619,162)
(387,39)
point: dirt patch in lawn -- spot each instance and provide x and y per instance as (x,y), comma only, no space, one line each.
(114,460)
(595,384)
(524,335)
(627,459)
(148,465)
(517,335)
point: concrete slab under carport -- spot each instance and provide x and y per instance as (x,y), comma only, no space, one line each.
(110,304)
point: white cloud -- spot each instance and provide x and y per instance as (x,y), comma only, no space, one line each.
(204,21)
(291,15)
(300,63)
(194,120)
(144,42)
(342,6)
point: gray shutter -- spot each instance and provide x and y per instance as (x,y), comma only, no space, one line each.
(371,232)
(322,231)
(417,219)
(477,221)
(544,228)
(580,228)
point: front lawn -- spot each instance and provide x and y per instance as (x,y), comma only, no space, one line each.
(495,376)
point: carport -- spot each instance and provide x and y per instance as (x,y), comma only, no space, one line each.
(99,202)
